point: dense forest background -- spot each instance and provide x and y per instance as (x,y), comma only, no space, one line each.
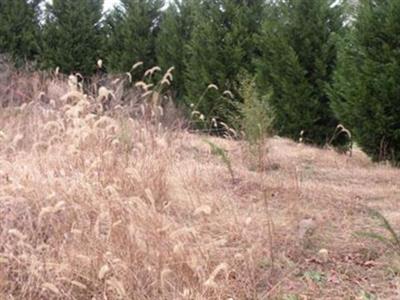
(320,71)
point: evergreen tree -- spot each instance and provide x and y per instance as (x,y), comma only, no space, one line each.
(366,91)
(299,53)
(132,31)
(19,29)
(175,32)
(73,35)
(221,48)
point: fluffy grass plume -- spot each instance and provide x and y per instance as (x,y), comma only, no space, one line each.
(107,203)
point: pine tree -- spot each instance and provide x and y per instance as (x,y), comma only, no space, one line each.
(299,53)
(366,91)
(221,48)
(73,35)
(132,31)
(19,29)
(175,32)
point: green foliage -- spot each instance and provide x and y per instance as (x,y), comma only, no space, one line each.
(223,155)
(256,116)
(19,29)
(254,121)
(132,29)
(315,276)
(212,123)
(72,35)
(175,32)
(367,296)
(365,94)
(392,241)
(221,46)
(298,46)
(291,45)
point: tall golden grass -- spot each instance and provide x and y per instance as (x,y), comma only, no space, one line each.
(117,202)
(94,204)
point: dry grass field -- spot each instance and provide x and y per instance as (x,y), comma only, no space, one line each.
(99,205)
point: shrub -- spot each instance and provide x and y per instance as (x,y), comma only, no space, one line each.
(175,31)
(253,121)
(298,58)
(132,29)
(19,29)
(365,94)
(256,114)
(72,35)
(221,46)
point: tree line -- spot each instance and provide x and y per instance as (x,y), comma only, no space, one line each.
(317,64)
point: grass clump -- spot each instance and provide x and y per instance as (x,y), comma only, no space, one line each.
(254,120)
(110,203)
(391,239)
(223,155)
(256,114)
